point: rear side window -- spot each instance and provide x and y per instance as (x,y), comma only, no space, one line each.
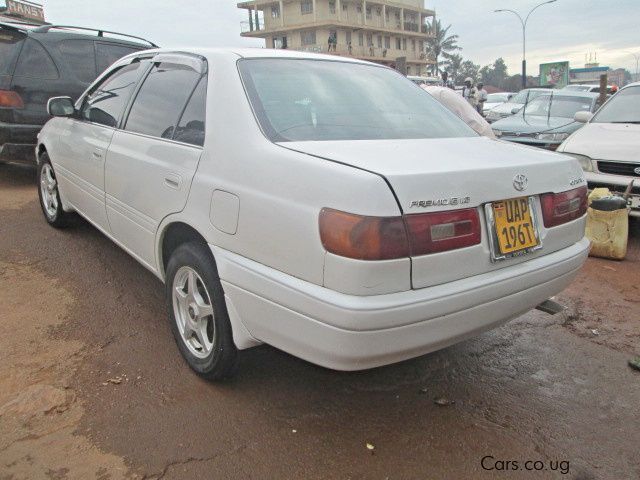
(161,100)
(191,126)
(107,54)
(10,44)
(35,62)
(105,104)
(81,58)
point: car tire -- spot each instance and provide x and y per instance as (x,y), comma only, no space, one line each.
(198,313)
(49,195)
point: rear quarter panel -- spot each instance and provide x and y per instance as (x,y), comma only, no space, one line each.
(280,192)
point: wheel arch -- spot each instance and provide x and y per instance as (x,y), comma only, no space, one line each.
(174,234)
(40,150)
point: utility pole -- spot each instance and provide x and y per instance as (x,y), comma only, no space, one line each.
(524,35)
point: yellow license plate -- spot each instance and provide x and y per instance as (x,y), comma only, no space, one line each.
(514,225)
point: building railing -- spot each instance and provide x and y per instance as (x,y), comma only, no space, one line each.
(372,52)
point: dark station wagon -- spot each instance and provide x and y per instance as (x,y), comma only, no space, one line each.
(37,63)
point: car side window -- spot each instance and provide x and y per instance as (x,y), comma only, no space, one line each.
(161,100)
(107,54)
(106,102)
(191,125)
(80,56)
(35,62)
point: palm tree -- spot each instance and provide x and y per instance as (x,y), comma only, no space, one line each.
(453,65)
(440,42)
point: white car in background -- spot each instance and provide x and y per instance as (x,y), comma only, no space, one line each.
(515,103)
(494,100)
(323,205)
(608,146)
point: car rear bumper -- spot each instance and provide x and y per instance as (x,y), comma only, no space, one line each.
(18,142)
(348,332)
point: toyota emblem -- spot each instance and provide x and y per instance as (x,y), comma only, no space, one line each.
(636,170)
(520,182)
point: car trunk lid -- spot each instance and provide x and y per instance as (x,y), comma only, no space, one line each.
(431,175)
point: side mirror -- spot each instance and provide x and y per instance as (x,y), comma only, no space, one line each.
(61,107)
(583,116)
(515,110)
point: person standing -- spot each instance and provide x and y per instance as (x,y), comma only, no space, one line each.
(445,80)
(481,97)
(469,92)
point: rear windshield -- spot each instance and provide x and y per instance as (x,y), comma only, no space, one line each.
(300,100)
(9,48)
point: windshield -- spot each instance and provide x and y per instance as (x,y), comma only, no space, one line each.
(299,100)
(561,106)
(624,107)
(521,96)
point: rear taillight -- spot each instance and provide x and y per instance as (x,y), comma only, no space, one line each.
(384,238)
(559,208)
(363,237)
(442,231)
(9,99)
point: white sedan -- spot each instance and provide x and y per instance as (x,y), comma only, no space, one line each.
(326,206)
(607,146)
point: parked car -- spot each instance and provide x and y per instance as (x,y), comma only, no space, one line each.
(588,88)
(353,230)
(39,63)
(515,103)
(607,146)
(494,100)
(546,121)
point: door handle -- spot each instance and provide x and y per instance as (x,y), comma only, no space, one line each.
(173,181)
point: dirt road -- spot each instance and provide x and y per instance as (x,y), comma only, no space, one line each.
(92,385)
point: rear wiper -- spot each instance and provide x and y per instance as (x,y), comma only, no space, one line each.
(630,121)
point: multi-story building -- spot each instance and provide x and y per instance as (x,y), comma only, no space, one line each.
(390,32)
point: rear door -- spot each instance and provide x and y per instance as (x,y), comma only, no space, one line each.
(151,161)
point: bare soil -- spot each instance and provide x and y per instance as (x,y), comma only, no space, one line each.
(92,385)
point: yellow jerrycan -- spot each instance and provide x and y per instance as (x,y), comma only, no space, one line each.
(607,224)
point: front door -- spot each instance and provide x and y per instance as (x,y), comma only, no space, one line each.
(82,147)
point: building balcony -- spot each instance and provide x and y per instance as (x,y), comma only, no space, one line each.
(263,30)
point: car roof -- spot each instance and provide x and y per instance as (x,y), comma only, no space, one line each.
(48,32)
(259,53)
(634,84)
(572,93)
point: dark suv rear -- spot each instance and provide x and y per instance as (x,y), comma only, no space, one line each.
(39,63)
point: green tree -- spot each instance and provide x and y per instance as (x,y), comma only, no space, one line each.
(440,43)
(495,74)
(468,69)
(453,64)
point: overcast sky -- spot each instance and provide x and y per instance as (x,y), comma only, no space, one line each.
(564,30)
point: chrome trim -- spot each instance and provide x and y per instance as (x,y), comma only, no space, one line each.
(494,246)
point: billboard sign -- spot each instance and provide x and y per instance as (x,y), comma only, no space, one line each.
(555,75)
(24,9)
